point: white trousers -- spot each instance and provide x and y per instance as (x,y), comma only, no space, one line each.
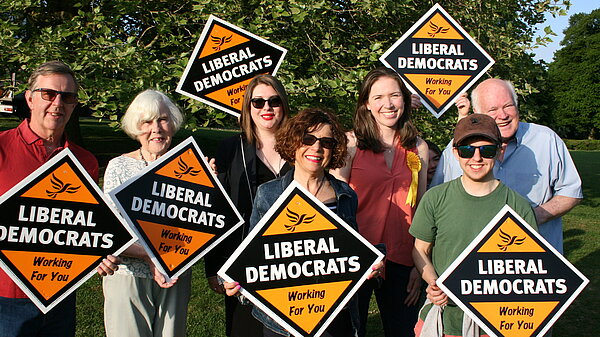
(138,307)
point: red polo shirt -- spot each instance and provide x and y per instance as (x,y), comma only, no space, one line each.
(22,152)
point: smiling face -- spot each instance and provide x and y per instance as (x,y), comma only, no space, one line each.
(48,118)
(495,100)
(477,168)
(385,102)
(156,134)
(267,118)
(313,159)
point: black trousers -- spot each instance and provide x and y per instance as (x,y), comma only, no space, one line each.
(398,319)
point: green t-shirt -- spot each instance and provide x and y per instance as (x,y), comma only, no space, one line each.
(450,218)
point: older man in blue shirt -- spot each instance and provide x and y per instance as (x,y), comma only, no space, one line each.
(535,163)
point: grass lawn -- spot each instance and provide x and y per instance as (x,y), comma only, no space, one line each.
(205,318)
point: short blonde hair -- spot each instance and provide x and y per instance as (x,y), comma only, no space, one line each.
(146,106)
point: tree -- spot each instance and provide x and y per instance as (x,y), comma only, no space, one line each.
(575,78)
(122,47)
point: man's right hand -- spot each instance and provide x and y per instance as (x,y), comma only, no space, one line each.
(463,104)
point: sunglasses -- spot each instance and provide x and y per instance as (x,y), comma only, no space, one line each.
(50,95)
(259,103)
(486,151)
(326,142)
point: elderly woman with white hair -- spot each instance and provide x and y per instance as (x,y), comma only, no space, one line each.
(137,300)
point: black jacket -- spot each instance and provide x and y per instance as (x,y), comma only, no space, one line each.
(236,164)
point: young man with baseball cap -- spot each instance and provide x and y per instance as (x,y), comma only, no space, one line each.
(451,215)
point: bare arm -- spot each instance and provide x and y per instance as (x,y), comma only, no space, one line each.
(422,258)
(554,208)
(343,173)
(423,150)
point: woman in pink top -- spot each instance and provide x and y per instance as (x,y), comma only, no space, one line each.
(387,167)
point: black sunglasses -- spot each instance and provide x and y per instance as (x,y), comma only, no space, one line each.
(326,142)
(486,151)
(259,103)
(50,95)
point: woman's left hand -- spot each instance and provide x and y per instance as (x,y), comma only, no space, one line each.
(413,288)
(377,270)
(159,278)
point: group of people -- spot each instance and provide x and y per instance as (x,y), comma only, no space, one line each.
(374,177)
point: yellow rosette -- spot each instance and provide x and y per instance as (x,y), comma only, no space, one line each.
(414,165)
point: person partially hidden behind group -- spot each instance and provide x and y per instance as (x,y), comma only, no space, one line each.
(313,141)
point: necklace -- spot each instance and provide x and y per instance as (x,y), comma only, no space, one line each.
(142,158)
(320,185)
(271,167)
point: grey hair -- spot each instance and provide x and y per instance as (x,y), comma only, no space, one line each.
(509,86)
(51,68)
(146,106)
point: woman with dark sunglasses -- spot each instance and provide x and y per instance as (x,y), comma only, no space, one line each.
(314,142)
(387,167)
(244,162)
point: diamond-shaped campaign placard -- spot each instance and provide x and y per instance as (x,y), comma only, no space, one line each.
(437,59)
(301,263)
(224,61)
(178,208)
(56,227)
(510,280)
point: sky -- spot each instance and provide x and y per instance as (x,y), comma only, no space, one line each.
(559,24)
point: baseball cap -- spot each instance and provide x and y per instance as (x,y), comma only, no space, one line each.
(477,125)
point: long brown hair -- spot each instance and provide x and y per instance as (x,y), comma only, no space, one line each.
(365,126)
(246,123)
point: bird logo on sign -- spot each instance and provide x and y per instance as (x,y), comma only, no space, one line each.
(435,29)
(185,169)
(220,41)
(297,219)
(58,187)
(509,240)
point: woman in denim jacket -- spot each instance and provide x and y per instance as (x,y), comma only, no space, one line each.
(313,141)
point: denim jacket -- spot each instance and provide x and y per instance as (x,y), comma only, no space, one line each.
(347,203)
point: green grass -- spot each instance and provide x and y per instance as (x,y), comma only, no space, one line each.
(206,314)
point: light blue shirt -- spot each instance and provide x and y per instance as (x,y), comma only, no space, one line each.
(536,164)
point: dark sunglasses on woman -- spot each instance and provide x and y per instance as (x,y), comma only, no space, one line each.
(326,142)
(485,151)
(259,102)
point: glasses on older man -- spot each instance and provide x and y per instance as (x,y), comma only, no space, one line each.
(326,142)
(259,103)
(486,151)
(50,95)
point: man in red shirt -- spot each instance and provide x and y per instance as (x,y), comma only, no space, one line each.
(52,97)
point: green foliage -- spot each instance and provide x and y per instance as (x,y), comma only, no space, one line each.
(119,48)
(575,78)
(583,144)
